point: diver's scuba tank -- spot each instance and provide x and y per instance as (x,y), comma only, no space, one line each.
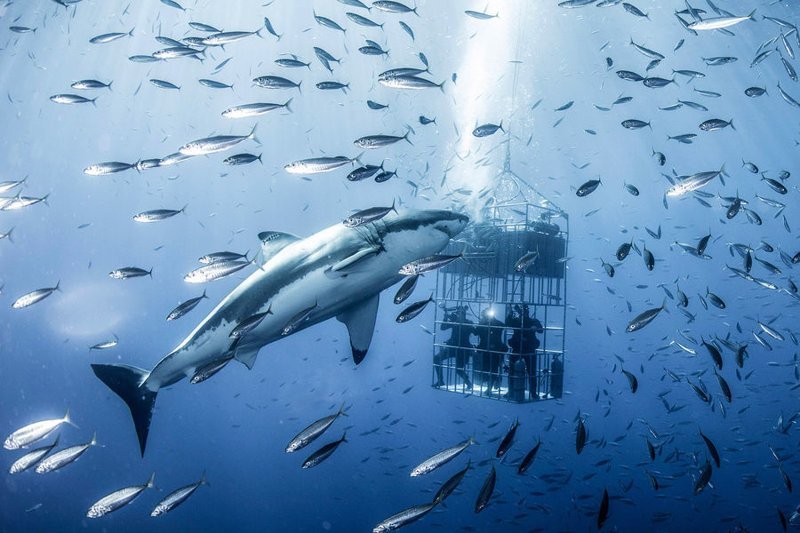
(516,381)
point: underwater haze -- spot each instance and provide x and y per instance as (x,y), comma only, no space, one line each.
(141,138)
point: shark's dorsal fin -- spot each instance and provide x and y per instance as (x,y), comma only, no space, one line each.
(360,322)
(273,242)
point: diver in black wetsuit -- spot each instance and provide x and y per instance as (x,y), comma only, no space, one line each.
(491,347)
(457,346)
(523,344)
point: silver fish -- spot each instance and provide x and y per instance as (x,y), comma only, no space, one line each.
(404,517)
(717,23)
(110,37)
(297,320)
(215,271)
(694,182)
(185,307)
(227,37)
(105,345)
(34,296)
(409,82)
(156,215)
(441,458)
(254,110)
(31,433)
(643,319)
(276,82)
(102,169)
(217,257)
(250,323)
(218,143)
(312,432)
(210,368)
(526,261)
(371,142)
(486,491)
(130,272)
(62,458)
(406,289)
(72,99)
(177,497)
(367,215)
(317,165)
(118,498)
(323,453)
(30,459)
(426,264)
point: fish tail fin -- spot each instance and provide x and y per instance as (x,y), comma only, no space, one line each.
(258,32)
(127,382)
(150,272)
(150,483)
(341,410)
(732,126)
(752,15)
(93,442)
(130,33)
(252,134)
(406,139)
(68,420)
(93,101)
(108,86)
(203,480)
(259,158)
(204,294)
(344,437)
(394,201)
(286,105)
(299,89)
(183,209)
(441,86)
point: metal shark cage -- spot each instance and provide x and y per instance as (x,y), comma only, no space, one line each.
(482,345)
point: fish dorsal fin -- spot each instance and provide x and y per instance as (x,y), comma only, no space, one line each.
(360,322)
(273,242)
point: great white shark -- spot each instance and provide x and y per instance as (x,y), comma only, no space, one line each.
(337,272)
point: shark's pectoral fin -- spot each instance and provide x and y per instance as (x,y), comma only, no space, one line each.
(273,242)
(247,356)
(346,265)
(360,322)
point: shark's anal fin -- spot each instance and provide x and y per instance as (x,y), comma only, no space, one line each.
(273,242)
(127,382)
(360,322)
(244,354)
(247,356)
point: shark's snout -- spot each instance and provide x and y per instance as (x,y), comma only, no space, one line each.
(452,223)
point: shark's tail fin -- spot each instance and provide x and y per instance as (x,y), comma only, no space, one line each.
(127,382)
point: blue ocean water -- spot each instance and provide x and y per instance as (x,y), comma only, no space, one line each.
(520,66)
